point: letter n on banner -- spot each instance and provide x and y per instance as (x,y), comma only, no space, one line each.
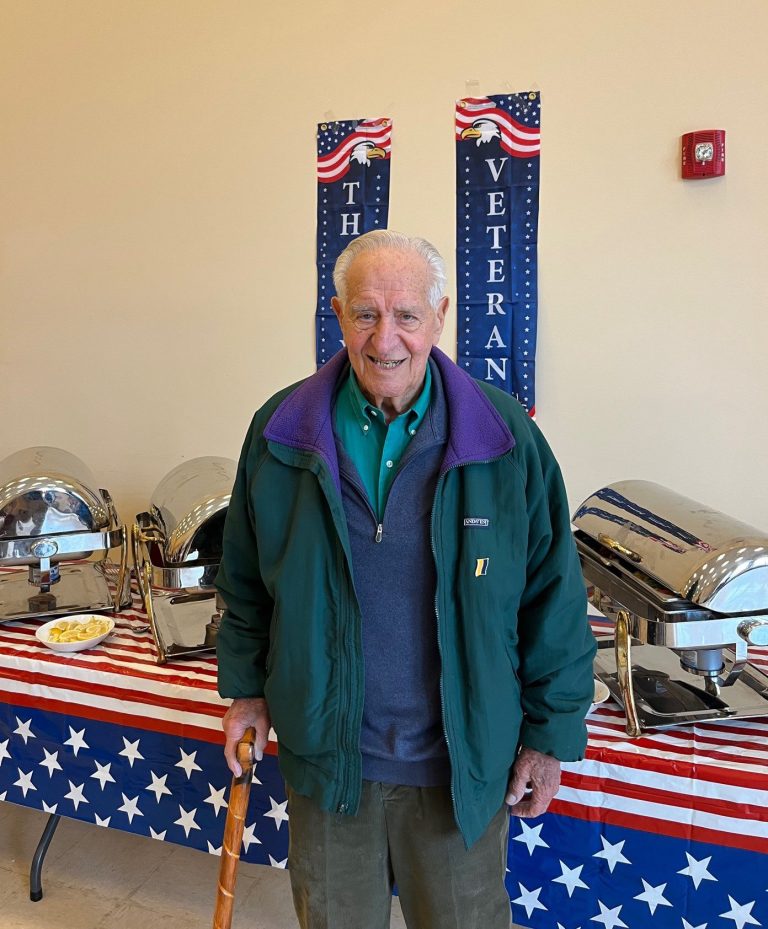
(497,219)
(353,159)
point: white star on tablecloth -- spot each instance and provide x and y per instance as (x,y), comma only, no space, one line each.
(102,822)
(561,926)
(612,853)
(102,774)
(131,751)
(76,740)
(531,836)
(186,820)
(254,779)
(529,899)
(277,864)
(188,763)
(23,729)
(160,836)
(570,877)
(212,850)
(687,925)
(50,762)
(698,870)
(740,913)
(609,918)
(49,809)
(76,794)
(3,795)
(278,812)
(653,896)
(249,836)
(4,753)
(130,807)
(157,786)
(24,782)
(216,798)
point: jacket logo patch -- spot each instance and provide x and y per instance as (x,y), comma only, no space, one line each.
(476,522)
(481,568)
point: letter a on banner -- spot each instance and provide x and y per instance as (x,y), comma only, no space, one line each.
(497,219)
(353,160)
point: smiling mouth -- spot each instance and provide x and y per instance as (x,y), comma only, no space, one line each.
(386,365)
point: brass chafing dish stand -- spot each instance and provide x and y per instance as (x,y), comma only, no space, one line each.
(177,550)
(59,537)
(687,588)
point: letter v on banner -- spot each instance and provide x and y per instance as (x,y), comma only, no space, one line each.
(353,160)
(497,221)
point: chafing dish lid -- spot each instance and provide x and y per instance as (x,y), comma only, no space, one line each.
(190,503)
(46,491)
(697,552)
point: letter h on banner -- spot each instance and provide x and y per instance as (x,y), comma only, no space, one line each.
(497,219)
(353,160)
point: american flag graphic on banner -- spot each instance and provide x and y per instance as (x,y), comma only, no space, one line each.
(497,209)
(353,162)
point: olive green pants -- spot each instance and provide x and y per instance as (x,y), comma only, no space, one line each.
(343,867)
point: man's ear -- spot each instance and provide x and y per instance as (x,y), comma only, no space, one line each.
(442,309)
(338,309)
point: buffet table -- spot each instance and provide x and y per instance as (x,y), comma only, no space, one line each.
(669,830)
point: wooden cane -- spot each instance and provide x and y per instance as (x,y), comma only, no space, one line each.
(233,832)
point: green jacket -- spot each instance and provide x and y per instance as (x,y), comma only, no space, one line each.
(516,649)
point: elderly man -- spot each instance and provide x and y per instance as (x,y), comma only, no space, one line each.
(405,607)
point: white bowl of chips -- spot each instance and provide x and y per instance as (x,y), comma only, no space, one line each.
(601,693)
(75,633)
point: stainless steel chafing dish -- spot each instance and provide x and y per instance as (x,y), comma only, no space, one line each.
(687,588)
(58,533)
(177,549)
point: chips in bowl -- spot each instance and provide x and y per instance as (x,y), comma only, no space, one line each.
(75,633)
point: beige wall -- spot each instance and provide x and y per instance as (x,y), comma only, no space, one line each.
(157,204)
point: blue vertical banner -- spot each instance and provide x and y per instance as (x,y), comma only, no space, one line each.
(353,160)
(497,219)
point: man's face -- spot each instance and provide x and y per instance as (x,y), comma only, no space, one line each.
(388,326)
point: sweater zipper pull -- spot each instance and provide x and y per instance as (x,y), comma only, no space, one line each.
(379,532)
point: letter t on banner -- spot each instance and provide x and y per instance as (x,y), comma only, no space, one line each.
(497,220)
(353,160)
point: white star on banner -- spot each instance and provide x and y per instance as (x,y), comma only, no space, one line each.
(249,836)
(49,809)
(76,794)
(186,820)
(24,782)
(24,731)
(697,870)
(571,877)
(4,753)
(612,853)
(740,913)
(102,774)
(216,798)
(130,807)
(687,925)
(160,836)
(102,822)
(76,740)
(609,918)
(50,762)
(653,896)
(278,813)
(157,786)
(277,864)
(131,751)
(529,899)
(531,836)
(212,850)
(188,763)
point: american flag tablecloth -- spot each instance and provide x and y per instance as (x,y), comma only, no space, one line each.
(669,830)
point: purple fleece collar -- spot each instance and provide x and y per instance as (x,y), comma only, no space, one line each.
(476,430)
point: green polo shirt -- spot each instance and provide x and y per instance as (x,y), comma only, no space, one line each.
(374,446)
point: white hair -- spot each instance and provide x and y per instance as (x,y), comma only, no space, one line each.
(381,239)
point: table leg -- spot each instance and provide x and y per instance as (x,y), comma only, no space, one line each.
(35,872)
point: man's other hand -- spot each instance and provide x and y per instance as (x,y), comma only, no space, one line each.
(243,713)
(537,773)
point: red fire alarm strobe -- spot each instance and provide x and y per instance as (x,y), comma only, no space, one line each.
(704,153)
